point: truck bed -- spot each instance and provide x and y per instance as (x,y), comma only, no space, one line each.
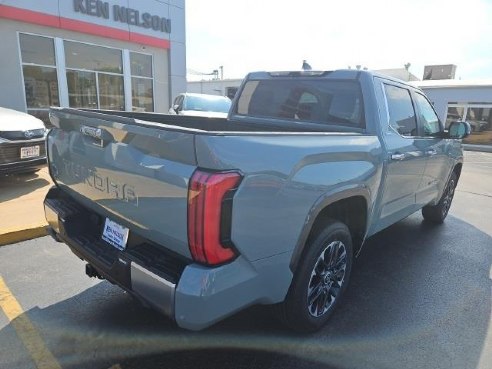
(237,124)
(137,173)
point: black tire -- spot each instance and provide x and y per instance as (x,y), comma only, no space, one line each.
(317,286)
(437,213)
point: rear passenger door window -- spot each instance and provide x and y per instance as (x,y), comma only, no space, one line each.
(428,117)
(400,109)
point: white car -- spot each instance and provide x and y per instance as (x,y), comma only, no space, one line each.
(22,138)
(201,105)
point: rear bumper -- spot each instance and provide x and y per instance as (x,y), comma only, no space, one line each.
(194,296)
(136,270)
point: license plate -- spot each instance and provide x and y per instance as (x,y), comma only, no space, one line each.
(29,152)
(115,234)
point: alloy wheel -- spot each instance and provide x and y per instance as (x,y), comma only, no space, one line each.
(327,278)
(448,197)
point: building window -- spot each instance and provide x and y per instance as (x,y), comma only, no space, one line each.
(97,77)
(478,115)
(480,119)
(142,82)
(82,89)
(94,76)
(39,71)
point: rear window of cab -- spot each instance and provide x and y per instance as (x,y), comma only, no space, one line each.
(330,102)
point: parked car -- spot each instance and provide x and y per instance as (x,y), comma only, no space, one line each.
(22,142)
(202,105)
(203,217)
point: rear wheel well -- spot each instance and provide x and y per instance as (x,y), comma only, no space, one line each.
(351,211)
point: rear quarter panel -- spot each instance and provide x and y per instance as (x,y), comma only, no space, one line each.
(286,176)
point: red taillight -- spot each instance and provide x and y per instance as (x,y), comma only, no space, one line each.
(206,195)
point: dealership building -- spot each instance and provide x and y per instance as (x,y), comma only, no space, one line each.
(470,101)
(114,54)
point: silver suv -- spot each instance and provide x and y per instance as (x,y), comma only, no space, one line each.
(201,105)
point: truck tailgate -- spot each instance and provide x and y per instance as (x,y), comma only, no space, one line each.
(135,173)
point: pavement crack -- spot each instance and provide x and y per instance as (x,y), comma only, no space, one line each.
(475,193)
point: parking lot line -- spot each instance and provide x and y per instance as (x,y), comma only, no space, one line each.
(25,330)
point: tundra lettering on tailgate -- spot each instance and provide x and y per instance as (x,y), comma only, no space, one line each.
(102,183)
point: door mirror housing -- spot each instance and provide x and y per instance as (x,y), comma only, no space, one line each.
(459,130)
(176,108)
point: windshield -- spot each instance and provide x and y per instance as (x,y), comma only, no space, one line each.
(207,103)
(320,101)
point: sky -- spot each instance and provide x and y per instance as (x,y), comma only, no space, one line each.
(252,35)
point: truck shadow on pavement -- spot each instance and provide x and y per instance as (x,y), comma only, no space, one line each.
(420,297)
(16,185)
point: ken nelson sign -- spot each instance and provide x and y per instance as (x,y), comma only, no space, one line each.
(134,17)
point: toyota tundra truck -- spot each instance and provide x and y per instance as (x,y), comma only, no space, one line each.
(202,217)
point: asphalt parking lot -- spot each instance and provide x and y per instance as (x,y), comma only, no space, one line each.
(420,297)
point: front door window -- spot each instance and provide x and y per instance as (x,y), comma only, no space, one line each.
(428,117)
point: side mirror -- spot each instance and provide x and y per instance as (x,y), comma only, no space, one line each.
(459,130)
(176,108)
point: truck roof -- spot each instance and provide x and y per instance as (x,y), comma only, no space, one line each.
(338,74)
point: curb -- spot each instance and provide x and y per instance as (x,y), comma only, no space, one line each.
(8,238)
(482,148)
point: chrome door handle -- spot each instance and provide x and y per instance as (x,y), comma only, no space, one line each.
(431,152)
(397,156)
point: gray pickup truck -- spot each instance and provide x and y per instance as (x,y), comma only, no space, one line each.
(202,217)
